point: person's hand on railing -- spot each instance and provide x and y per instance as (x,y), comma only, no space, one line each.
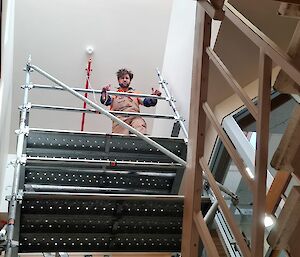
(156,92)
(104,94)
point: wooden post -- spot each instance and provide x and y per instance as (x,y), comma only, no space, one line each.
(261,154)
(193,174)
(278,186)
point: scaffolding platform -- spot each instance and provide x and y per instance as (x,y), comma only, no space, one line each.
(100,192)
(101,163)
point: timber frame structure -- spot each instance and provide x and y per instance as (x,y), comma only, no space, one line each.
(194,225)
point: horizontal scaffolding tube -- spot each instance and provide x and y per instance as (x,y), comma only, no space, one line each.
(104,162)
(65,196)
(98,91)
(222,188)
(75,109)
(79,189)
(111,116)
(210,215)
(89,133)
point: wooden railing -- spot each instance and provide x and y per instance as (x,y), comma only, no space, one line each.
(193,223)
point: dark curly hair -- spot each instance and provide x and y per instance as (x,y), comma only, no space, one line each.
(121,72)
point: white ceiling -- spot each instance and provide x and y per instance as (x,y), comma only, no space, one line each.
(124,33)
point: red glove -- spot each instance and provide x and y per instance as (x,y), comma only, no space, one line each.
(156,92)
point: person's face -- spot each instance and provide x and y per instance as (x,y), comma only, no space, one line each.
(124,81)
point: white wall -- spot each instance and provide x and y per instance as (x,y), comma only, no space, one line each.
(6,188)
(177,64)
(124,33)
(178,60)
(6,82)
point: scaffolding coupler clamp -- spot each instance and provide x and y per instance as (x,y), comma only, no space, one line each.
(179,118)
(18,197)
(28,67)
(22,160)
(162,82)
(13,243)
(24,131)
(29,86)
(26,107)
(172,98)
(235,200)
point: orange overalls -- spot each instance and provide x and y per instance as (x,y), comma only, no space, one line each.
(127,104)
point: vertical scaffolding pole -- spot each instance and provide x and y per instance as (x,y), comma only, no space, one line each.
(15,196)
(172,104)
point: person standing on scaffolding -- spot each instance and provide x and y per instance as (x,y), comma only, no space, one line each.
(127,103)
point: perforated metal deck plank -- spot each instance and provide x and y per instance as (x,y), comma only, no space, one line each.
(39,179)
(99,243)
(67,144)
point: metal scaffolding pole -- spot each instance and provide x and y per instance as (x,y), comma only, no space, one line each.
(111,116)
(172,104)
(15,196)
(98,91)
(75,109)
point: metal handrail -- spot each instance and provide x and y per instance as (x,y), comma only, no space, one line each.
(39,86)
(75,109)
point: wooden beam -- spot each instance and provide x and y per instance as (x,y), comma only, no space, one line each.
(218,4)
(263,42)
(289,10)
(232,82)
(286,157)
(289,1)
(215,14)
(238,161)
(227,213)
(261,155)
(274,253)
(287,222)
(205,235)
(277,188)
(192,181)
(284,83)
